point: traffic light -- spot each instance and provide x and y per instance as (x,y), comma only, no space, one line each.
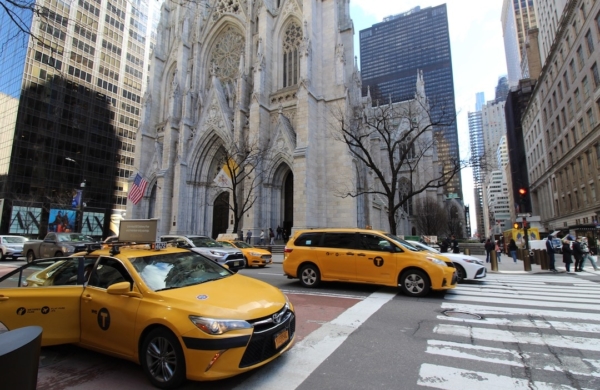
(516,225)
(523,192)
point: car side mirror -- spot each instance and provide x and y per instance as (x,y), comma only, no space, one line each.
(123,288)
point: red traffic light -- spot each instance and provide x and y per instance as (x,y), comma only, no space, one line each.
(522,192)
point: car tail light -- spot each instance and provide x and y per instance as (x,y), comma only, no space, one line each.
(287,250)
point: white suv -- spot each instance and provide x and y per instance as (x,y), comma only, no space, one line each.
(214,250)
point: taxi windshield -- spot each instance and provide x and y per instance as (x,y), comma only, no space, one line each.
(402,242)
(175,270)
(242,244)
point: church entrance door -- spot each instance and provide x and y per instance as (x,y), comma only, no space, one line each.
(220,214)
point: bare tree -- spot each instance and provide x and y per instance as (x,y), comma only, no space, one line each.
(430,218)
(396,143)
(244,169)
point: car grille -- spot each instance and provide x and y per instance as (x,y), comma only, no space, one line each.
(262,344)
(266,257)
(235,256)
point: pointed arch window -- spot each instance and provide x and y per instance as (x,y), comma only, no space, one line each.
(291,65)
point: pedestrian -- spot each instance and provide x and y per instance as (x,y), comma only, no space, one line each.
(550,253)
(578,255)
(567,253)
(489,247)
(455,247)
(585,248)
(262,237)
(249,237)
(512,248)
(444,245)
(279,231)
(271,236)
(284,235)
(498,249)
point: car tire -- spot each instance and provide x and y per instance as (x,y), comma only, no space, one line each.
(247,263)
(162,359)
(59,254)
(2,257)
(30,257)
(461,274)
(310,276)
(415,283)
(262,266)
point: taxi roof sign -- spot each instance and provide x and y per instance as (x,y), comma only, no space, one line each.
(138,230)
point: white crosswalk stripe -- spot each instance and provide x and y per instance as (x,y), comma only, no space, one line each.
(535,332)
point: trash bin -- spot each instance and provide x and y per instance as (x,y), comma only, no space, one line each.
(20,357)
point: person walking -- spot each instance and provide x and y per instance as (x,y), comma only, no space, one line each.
(455,247)
(550,253)
(585,248)
(262,237)
(489,247)
(444,245)
(279,231)
(512,248)
(567,253)
(498,250)
(271,236)
(249,237)
(577,254)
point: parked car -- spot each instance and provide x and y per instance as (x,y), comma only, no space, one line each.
(365,256)
(252,255)
(56,245)
(175,312)
(467,267)
(214,250)
(11,246)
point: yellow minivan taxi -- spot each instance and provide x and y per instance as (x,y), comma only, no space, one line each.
(173,311)
(365,256)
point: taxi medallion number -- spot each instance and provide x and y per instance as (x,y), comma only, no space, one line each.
(281,338)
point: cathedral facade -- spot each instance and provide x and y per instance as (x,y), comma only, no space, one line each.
(226,74)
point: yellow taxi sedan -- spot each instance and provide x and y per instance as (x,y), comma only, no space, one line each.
(175,312)
(254,256)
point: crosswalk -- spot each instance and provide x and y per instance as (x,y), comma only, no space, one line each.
(510,332)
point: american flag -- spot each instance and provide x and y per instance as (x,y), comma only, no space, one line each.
(137,190)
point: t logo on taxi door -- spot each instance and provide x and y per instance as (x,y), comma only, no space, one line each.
(104,319)
(378,261)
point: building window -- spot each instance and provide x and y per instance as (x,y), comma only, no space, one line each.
(591,118)
(582,128)
(291,64)
(596,75)
(580,58)
(573,71)
(590,42)
(586,88)
(577,99)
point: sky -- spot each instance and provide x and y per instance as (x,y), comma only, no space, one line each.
(478,59)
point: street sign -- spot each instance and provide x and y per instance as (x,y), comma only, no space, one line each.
(524,215)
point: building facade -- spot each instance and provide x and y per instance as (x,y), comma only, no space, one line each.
(518,16)
(75,88)
(422,41)
(560,124)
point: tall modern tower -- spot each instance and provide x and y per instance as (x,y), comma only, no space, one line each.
(421,41)
(518,16)
(70,98)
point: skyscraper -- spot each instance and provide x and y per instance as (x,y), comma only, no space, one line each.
(421,42)
(71,95)
(518,16)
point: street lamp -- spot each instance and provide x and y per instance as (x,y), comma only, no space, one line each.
(78,197)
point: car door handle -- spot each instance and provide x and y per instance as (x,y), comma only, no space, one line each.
(87,298)
(349,253)
(361,254)
(3,298)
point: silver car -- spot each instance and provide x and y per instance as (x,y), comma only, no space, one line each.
(11,246)
(214,250)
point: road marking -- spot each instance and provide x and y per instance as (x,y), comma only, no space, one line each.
(293,367)
(536,360)
(498,311)
(529,323)
(524,302)
(537,298)
(450,378)
(322,294)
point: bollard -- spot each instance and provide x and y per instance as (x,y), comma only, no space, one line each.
(467,251)
(543,259)
(20,357)
(526,261)
(494,261)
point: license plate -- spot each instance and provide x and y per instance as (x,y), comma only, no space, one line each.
(281,338)
(236,264)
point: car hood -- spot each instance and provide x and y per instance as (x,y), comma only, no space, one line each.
(201,249)
(459,257)
(234,297)
(256,250)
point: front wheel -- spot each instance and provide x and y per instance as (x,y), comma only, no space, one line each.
(30,257)
(2,257)
(58,254)
(460,273)
(415,283)
(310,276)
(162,359)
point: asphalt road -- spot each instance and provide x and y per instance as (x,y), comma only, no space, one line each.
(512,330)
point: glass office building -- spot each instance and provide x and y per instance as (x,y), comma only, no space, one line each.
(71,100)
(391,53)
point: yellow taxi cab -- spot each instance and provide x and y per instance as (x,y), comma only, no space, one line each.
(173,311)
(365,256)
(252,255)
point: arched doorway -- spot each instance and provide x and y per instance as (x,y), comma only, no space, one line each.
(220,214)
(288,203)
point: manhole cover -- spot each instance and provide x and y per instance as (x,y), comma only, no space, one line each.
(462,314)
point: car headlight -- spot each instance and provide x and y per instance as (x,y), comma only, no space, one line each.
(67,248)
(217,253)
(473,261)
(436,261)
(215,326)
(255,254)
